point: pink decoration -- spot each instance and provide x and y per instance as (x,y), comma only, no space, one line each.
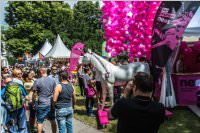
(128,26)
(76,52)
(196,47)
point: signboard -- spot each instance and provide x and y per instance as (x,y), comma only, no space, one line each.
(185,88)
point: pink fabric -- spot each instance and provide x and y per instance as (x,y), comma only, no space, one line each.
(91,91)
(190,57)
(76,52)
(185,88)
(103,117)
(168,113)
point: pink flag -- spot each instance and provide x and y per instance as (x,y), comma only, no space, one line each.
(76,52)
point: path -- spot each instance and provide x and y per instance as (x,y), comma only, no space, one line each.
(79,127)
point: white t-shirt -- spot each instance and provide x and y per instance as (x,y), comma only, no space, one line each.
(16,80)
(86,79)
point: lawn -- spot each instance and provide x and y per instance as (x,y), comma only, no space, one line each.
(183,120)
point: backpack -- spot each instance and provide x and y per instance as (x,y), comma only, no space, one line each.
(13,97)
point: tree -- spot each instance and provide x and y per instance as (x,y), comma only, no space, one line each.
(32,22)
(87,25)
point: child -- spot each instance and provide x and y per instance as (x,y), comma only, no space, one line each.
(88,84)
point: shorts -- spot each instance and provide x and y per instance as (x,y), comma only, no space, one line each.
(98,86)
(43,112)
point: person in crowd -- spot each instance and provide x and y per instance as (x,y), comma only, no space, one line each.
(4,70)
(32,76)
(67,68)
(180,64)
(64,99)
(89,100)
(28,83)
(143,60)
(80,79)
(98,85)
(17,73)
(44,88)
(139,113)
(3,110)
(54,73)
(4,116)
(14,96)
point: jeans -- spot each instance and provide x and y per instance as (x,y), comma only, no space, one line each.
(16,121)
(43,112)
(4,117)
(64,119)
(89,105)
(81,85)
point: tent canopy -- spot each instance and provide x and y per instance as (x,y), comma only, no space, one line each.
(192,32)
(59,50)
(43,51)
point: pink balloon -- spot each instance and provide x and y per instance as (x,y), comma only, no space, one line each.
(130,22)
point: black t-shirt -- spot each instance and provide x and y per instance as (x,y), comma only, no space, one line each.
(138,115)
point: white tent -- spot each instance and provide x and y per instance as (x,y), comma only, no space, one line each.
(59,50)
(4,61)
(43,51)
(192,31)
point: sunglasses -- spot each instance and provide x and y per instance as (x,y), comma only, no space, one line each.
(54,69)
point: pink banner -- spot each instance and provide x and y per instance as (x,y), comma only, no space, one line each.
(76,52)
(185,89)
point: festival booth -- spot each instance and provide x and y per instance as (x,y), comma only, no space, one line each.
(187,70)
(38,58)
(43,51)
(59,52)
(157,33)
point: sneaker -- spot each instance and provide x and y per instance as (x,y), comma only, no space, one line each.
(92,115)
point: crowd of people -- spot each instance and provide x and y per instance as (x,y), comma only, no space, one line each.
(49,93)
(44,93)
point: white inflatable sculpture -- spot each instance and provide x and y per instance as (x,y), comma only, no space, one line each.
(114,75)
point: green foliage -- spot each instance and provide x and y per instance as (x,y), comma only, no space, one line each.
(32,22)
(182,121)
(19,46)
(11,61)
(87,25)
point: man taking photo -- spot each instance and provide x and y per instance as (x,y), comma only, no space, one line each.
(139,114)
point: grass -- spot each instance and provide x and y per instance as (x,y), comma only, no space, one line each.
(183,120)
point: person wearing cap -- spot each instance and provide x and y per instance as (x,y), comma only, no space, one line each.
(139,113)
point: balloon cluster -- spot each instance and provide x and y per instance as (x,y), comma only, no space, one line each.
(128,27)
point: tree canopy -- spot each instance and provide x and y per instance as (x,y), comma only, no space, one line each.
(30,23)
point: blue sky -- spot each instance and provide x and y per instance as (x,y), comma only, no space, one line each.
(195,22)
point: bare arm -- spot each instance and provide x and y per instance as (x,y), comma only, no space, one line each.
(74,98)
(34,96)
(56,93)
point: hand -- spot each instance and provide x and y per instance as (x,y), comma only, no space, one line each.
(33,106)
